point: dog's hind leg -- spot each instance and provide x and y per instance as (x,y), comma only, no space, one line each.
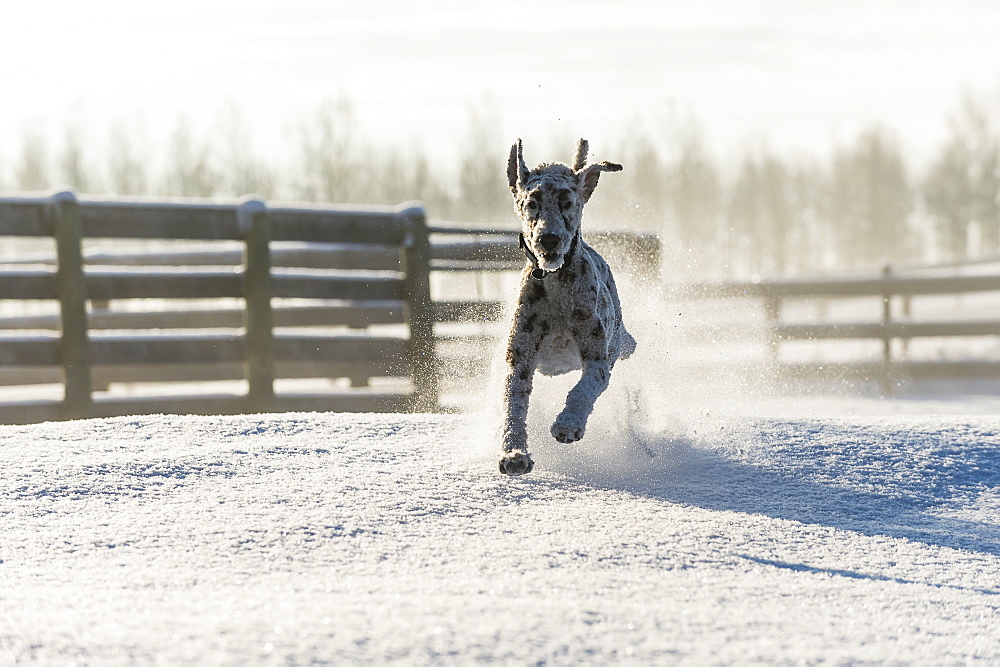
(571,423)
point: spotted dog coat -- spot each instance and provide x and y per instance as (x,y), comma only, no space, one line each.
(568,315)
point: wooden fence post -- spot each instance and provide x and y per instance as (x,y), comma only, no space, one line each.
(72,288)
(420,313)
(886,374)
(258,318)
(772,314)
(905,312)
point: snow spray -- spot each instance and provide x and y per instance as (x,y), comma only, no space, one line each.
(683,388)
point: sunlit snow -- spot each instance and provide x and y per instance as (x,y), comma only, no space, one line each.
(374,538)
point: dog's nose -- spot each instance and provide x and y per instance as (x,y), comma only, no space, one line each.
(548,241)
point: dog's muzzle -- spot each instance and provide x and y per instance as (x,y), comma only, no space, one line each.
(549,243)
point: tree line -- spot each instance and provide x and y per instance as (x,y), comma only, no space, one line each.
(859,208)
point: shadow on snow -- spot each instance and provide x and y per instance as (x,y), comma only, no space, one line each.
(897,482)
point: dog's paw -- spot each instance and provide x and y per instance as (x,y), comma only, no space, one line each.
(516,463)
(568,428)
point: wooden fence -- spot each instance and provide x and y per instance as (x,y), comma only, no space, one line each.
(893,323)
(166,293)
(197,344)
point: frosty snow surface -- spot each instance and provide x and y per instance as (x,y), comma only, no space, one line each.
(333,538)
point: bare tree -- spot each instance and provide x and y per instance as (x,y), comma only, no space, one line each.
(243,173)
(482,188)
(695,191)
(32,173)
(760,211)
(811,238)
(641,193)
(126,169)
(426,186)
(74,172)
(190,172)
(330,165)
(870,200)
(398,176)
(962,187)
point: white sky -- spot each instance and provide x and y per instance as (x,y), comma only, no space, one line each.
(802,74)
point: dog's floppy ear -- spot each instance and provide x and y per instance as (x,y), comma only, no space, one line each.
(588,177)
(517,171)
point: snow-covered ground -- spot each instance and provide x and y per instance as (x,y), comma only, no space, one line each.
(707,517)
(703,535)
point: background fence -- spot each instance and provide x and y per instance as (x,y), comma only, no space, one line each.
(111,307)
(890,328)
(133,319)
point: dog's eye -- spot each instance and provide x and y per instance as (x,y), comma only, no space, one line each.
(565,205)
(532,205)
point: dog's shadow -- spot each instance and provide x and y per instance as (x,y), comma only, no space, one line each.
(735,472)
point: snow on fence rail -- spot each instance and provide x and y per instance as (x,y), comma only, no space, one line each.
(248,292)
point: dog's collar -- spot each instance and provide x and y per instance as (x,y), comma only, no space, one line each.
(537,272)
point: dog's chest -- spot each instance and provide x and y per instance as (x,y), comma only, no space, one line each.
(558,354)
(559,351)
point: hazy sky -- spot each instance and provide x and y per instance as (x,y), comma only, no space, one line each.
(803,73)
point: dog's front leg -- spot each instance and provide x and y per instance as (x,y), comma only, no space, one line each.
(571,423)
(521,352)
